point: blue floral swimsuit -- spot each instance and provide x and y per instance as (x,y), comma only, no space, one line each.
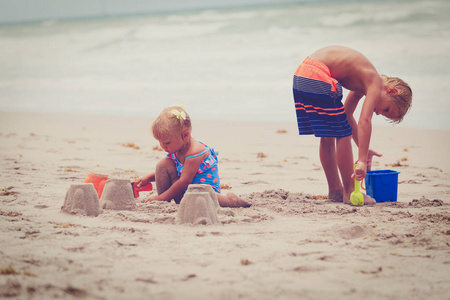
(208,172)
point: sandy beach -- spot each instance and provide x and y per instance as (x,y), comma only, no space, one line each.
(292,243)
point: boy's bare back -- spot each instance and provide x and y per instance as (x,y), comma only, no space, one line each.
(351,68)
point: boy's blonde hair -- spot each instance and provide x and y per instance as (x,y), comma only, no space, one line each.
(403,99)
(171,121)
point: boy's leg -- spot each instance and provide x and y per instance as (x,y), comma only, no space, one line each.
(165,176)
(345,164)
(330,166)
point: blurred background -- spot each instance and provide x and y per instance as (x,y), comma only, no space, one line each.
(224,59)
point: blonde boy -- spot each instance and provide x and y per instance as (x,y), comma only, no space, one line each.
(317,88)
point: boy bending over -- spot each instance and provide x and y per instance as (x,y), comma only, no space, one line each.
(317,89)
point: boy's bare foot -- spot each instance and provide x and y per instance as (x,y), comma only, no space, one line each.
(367,200)
(336,196)
(346,199)
(232,200)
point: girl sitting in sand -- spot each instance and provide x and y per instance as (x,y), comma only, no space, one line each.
(188,161)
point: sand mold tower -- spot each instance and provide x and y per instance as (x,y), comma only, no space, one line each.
(81,198)
(198,206)
(118,194)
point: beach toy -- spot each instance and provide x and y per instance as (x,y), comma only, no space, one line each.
(144,188)
(382,185)
(98,180)
(118,195)
(356,197)
(199,205)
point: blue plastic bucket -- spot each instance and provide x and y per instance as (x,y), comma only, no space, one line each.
(382,185)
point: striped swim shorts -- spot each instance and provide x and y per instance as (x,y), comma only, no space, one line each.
(318,101)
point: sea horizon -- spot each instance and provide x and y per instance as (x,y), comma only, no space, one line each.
(226,63)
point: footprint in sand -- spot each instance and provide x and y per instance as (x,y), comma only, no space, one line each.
(303,269)
(353,232)
(255,182)
(424,202)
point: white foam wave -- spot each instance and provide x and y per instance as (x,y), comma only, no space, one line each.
(218,63)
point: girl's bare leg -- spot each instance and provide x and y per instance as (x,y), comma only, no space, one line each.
(165,176)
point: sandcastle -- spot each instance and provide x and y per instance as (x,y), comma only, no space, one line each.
(198,206)
(81,198)
(118,194)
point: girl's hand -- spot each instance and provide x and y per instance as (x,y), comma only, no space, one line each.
(370,155)
(145,179)
(140,182)
(153,198)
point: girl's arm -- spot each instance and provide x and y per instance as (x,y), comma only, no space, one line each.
(191,166)
(146,179)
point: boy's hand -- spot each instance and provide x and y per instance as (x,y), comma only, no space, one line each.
(370,155)
(360,171)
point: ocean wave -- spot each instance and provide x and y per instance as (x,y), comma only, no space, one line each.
(218,60)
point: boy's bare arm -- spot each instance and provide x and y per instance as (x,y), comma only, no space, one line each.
(350,104)
(365,127)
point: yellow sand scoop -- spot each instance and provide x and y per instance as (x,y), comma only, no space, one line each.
(356,197)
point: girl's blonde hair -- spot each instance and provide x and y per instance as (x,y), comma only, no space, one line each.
(172,121)
(403,99)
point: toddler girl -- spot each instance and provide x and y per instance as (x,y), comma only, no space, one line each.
(188,161)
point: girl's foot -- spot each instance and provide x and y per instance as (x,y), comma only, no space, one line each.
(232,200)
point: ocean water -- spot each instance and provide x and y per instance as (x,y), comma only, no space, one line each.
(231,60)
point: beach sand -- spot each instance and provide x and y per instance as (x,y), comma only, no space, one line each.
(292,243)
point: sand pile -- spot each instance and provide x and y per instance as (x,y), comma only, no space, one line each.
(81,198)
(198,206)
(118,195)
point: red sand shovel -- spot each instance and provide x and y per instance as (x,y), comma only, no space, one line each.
(136,189)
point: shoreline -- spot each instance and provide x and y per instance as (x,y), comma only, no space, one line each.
(383,124)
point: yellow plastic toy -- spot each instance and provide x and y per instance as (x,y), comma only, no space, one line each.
(356,197)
